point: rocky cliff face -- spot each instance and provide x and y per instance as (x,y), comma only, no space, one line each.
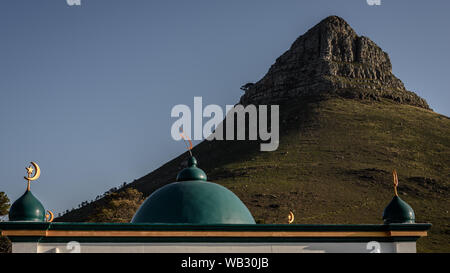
(331,59)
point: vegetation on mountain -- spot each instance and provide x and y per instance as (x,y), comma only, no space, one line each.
(119,208)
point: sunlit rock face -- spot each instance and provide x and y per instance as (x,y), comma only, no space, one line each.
(331,59)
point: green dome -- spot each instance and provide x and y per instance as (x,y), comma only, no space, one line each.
(193,200)
(27,208)
(191,172)
(398,211)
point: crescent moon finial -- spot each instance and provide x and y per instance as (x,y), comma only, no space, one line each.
(30,169)
(49,217)
(291,217)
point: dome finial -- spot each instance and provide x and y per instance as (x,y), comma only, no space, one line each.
(192,162)
(30,170)
(291,217)
(394,174)
(398,211)
(191,172)
(28,207)
(50,216)
(189,147)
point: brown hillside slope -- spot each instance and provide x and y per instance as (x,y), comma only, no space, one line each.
(333,165)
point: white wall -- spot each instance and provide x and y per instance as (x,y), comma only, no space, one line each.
(342,247)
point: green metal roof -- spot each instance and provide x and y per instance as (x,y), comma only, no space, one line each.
(194,202)
(210,227)
(238,228)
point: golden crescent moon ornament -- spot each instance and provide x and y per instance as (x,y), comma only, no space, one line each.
(37,172)
(49,217)
(291,217)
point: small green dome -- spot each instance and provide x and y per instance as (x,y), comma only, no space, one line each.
(398,211)
(27,208)
(191,172)
(193,200)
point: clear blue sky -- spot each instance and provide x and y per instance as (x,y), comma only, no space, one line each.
(86,91)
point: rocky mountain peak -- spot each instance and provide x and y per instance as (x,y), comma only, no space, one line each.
(331,59)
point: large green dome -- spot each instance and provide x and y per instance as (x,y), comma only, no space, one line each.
(27,208)
(193,202)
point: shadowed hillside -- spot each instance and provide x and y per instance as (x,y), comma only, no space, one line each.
(333,165)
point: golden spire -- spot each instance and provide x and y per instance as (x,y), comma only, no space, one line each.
(394,174)
(30,170)
(189,147)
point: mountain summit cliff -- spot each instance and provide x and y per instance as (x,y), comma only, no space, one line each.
(331,59)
